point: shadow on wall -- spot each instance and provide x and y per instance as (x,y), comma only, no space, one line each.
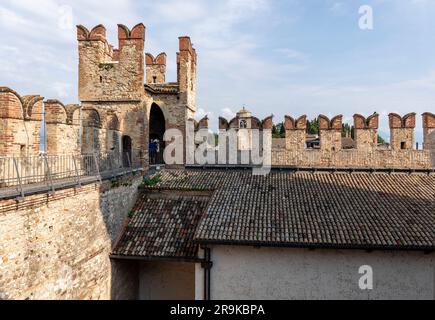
(125,279)
(115,202)
(106,132)
(432,147)
(355,210)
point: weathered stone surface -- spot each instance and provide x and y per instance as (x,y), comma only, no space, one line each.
(57,247)
(20,123)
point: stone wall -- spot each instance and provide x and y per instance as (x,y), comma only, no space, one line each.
(366,132)
(62,125)
(57,247)
(366,154)
(330,133)
(111,81)
(186,71)
(114,121)
(429,134)
(353,158)
(20,123)
(108,74)
(155,68)
(402,131)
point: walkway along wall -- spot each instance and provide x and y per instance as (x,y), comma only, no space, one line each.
(57,246)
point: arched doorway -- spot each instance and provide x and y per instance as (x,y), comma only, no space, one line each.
(157,130)
(126,151)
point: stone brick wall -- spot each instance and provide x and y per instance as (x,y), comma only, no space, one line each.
(366,134)
(295,132)
(353,158)
(186,66)
(155,68)
(63,133)
(57,247)
(330,133)
(115,120)
(111,81)
(402,131)
(429,134)
(331,154)
(366,139)
(106,74)
(20,123)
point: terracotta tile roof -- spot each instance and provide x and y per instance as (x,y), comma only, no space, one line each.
(340,210)
(163,88)
(162,226)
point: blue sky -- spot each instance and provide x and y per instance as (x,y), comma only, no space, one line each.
(273,56)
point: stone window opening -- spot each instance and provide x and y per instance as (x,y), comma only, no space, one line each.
(154,79)
(243,124)
(402,145)
(126,151)
(22,150)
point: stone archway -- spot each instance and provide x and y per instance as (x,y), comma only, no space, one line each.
(157,127)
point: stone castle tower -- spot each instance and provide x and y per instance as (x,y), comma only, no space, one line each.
(125,99)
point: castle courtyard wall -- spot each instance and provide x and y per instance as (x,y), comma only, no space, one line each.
(58,246)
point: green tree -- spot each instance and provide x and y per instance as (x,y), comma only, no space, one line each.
(313,126)
(278,130)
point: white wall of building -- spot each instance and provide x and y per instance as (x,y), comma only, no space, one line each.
(284,273)
(166,281)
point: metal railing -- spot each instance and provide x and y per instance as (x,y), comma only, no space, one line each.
(49,170)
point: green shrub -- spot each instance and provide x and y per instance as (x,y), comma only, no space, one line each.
(151,181)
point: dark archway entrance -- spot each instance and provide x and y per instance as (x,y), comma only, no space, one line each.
(157,130)
(126,151)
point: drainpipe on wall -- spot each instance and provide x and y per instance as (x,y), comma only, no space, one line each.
(206,264)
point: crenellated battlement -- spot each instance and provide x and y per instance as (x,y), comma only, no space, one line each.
(109,74)
(126,101)
(402,131)
(186,72)
(329,151)
(371,122)
(366,131)
(155,68)
(20,122)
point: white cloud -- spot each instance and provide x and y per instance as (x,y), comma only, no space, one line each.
(62,89)
(339,8)
(228,113)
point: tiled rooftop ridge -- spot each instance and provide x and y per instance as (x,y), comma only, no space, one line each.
(302,209)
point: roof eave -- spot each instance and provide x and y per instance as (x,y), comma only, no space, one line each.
(272,244)
(155,258)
